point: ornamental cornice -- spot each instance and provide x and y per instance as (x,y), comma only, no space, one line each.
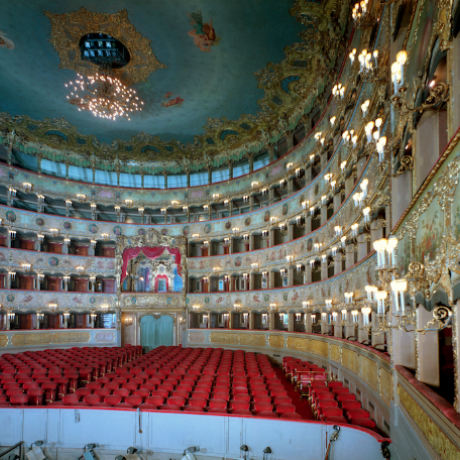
(196,196)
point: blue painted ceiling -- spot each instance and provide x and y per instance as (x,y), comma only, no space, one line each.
(215,84)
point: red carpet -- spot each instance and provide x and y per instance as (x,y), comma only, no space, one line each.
(302,406)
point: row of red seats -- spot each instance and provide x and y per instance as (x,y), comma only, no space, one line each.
(45,376)
(167,378)
(331,402)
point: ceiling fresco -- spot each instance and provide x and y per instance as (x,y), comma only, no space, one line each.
(219,79)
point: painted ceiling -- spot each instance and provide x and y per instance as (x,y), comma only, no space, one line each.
(202,96)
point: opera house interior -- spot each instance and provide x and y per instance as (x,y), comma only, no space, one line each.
(271,274)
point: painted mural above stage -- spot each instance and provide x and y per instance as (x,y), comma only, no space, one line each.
(157,275)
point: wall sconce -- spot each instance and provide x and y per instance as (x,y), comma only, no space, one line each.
(273,306)
(67,241)
(246,237)
(26,267)
(12,275)
(27,186)
(105,236)
(328,304)
(313,318)
(334,251)
(80,197)
(245,198)
(40,316)
(381,297)
(343,241)
(11,316)
(365,107)
(370,291)
(104,307)
(299,268)
(12,192)
(264,191)
(348,297)
(354,316)
(195,307)
(334,316)
(352,55)
(12,234)
(366,214)
(54,231)
(215,196)
(163,211)
(298,317)
(93,243)
(264,318)
(338,91)
(80,268)
(399,287)
(141,211)
(129,203)
(338,230)
(128,321)
(54,305)
(354,229)
(365,311)
(254,184)
(343,165)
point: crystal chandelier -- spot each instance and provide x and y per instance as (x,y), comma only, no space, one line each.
(104,95)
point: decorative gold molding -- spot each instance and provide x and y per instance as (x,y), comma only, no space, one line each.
(436,437)
(68,28)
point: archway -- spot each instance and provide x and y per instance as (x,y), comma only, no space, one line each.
(156,331)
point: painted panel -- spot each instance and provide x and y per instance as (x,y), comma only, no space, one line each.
(350,360)
(368,371)
(297,343)
(276,341)
(255,340)
(335,353)
(222,337)
(3,340)
(429,232)
(196,337)
(385,385)
(319,347)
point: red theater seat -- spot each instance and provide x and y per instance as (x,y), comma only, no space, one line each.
(364,422)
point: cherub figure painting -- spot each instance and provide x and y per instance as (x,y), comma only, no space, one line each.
(5,42)
(203,34)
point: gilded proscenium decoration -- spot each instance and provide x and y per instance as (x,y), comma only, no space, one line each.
(68,28)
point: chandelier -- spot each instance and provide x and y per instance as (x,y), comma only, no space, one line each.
(104,95)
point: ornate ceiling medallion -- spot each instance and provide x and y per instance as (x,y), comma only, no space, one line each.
(67,30)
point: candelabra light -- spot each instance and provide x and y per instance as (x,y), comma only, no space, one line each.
(104,95)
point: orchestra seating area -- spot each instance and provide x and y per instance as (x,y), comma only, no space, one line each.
(171,378)
(330,400)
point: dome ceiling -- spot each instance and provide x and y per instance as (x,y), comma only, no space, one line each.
(218,79)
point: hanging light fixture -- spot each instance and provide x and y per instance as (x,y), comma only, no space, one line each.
(104,95)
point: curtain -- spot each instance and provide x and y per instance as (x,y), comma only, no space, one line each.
(151,253)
